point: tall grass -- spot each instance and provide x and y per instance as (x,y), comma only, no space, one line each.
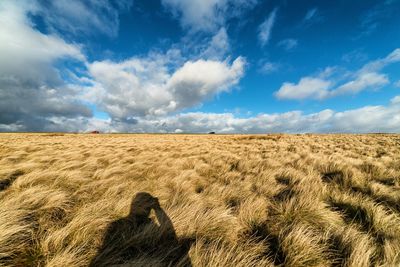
(233,200)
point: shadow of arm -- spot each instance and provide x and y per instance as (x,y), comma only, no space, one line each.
(165,222)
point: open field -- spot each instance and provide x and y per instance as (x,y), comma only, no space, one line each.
(233,200)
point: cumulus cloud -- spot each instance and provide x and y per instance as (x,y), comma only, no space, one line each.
(31,88)
(21,45)
(34,95)
(199,80)
(207,15)
(148,87)
(265,28)
(324,86)
(308,87)
(82,16)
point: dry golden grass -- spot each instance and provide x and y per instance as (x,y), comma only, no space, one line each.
(236,200)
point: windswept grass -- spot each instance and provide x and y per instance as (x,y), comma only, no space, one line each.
(233,200)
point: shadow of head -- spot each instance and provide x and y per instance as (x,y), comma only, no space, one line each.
(137,238)
(141,206)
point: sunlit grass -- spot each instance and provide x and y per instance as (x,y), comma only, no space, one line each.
(241,200)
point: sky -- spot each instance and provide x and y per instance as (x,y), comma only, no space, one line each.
(179,66)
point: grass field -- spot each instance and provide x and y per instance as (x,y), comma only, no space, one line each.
(217,200)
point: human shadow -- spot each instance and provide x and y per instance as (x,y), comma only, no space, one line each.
(136,240)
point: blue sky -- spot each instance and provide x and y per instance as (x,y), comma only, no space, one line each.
(230,66)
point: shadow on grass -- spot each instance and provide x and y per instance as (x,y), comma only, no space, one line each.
(137,240)
(9,180)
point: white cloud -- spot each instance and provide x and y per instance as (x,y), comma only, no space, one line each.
(207,15)
(215,46)
(34,95)
(196,81)
(365,119)
(31,88)
(265,28)
(148,87)
(397,84)
(324,86)
(22,46)
(377,65)
(288,44)
(362,120)
(311,13)
(395,100)
(218,45)
(308,87)
(357,55)
(312,16)
(83,16)
(200,15)
(372,18)
(394,56)
(269,67)
(362,81)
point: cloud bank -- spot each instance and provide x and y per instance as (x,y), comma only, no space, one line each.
(362,120)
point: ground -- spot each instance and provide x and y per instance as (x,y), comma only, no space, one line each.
(232,200)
